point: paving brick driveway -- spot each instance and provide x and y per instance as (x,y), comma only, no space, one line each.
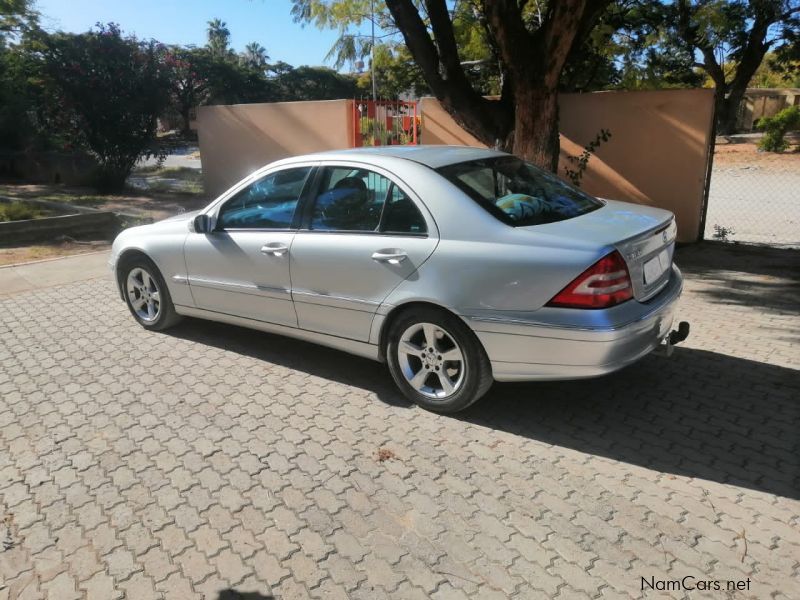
(213,459)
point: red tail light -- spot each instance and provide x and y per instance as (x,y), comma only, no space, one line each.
(606,283)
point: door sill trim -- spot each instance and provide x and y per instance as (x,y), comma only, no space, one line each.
(363,349)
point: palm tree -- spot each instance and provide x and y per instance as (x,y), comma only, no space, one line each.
(218,37)
(254,56)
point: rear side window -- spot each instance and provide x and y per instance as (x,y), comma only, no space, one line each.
(401,215)
(354,199)
(269,203)
(517,192)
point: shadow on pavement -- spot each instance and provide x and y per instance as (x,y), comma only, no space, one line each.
(746,275)
(697,414)
(234,595)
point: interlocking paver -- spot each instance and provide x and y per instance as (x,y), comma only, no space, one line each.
(145,465)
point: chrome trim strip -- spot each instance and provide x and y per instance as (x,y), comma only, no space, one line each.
(242,288)
(330,300)
(180,279)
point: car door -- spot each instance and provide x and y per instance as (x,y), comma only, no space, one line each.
(241,267)
(362,235)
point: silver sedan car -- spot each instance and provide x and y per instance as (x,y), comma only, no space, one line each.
(456,266)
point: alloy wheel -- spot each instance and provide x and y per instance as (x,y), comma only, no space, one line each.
(431,361)
(144,295)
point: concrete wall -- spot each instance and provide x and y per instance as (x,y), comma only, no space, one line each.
(236,140)
(657,155)
(764,102)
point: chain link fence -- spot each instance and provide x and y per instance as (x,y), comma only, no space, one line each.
(754,196)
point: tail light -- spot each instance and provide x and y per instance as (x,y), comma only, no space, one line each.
(606,283)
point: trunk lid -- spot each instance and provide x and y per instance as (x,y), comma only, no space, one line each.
(645,236)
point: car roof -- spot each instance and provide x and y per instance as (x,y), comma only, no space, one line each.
(432,156)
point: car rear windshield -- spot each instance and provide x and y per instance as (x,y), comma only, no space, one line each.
(517,192)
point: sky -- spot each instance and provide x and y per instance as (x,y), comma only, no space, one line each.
(267,22)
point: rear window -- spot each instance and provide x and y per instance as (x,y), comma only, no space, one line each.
(517,192)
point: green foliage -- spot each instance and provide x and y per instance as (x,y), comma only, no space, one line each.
(20,211)
(106,91)
(254,56)
(776,127)
(395,74)
(310,83)
(17,17)
(219,37)
(582,162)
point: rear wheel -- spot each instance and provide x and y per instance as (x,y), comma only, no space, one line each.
(146,294)
(436,361)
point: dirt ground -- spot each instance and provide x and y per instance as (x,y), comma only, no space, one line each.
(727,154)
(24,254)
(149,205)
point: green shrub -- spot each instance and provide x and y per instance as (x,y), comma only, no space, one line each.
(776,127)
(19,211)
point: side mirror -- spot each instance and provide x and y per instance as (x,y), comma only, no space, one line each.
(202,224)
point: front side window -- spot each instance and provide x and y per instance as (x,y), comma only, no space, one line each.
(517,192)
(269,203)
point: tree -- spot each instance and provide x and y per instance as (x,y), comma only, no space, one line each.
(254,56)
(16,18)
(529,41)
(189,84)
(310,83)
(219,37)
(19,70)
(738,33)
(106,91)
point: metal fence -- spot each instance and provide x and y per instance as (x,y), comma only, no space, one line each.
(385,123)
(754,197)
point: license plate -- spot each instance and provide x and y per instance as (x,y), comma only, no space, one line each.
(655,267)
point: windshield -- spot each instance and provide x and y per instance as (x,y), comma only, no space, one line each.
(518,193)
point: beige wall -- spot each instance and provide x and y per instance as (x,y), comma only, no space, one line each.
(760,102)
(657,155)
(236,140)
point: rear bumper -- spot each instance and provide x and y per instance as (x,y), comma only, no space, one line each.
(555,344)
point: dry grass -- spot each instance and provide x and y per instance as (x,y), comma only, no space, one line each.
(23,254)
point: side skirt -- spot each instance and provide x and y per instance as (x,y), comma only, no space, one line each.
(351,346)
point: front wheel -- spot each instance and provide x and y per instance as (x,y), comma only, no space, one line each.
(146,294)
(436,361)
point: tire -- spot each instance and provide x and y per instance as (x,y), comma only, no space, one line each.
(423,375)
(141,281)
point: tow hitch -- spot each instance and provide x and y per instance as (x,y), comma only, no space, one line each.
(675,337)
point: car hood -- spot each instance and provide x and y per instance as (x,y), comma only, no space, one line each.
(182,217)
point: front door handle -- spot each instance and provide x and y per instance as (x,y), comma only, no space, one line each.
(275,249)
(393,257)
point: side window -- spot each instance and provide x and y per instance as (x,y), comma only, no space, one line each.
(269,203)
(401,215)
(350,199)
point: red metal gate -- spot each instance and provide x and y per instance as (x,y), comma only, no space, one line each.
(385,123)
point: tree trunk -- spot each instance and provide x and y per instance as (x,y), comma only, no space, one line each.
(727,110)
(536,126)
(186,127)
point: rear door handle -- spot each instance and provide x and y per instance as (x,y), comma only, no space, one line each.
(394,257)
(275,249)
